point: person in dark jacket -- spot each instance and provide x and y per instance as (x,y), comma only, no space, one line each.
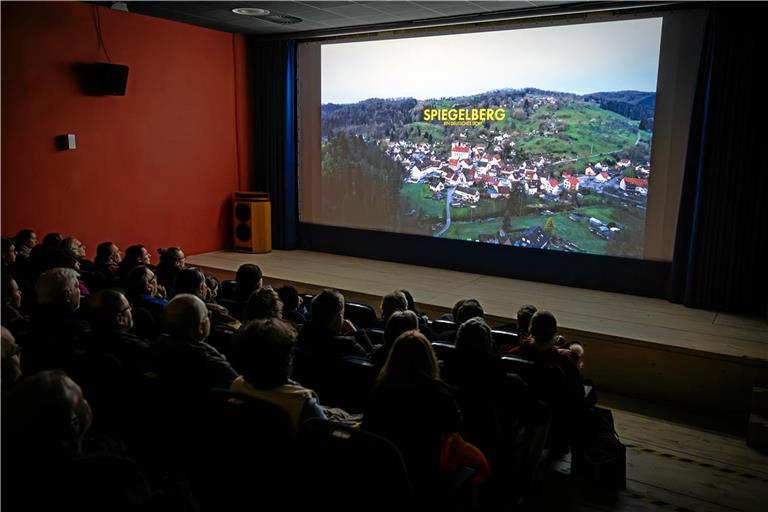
(186,362)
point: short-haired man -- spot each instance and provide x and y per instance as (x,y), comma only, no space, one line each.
(324,341)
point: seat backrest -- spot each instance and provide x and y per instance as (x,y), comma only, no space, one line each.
(229,289)
(362,315)
(356,469)
(357,376)
(504,338)
(440,326)
(445,352)
(241,449)
(519,365)
(376,335)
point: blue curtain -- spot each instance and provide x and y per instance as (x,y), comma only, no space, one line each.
(722,232)
(273,88)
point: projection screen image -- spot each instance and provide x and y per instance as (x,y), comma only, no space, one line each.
(537,137)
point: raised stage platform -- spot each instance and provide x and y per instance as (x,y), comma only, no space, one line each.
(640,347)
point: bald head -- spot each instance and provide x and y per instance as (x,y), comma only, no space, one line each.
(186,316)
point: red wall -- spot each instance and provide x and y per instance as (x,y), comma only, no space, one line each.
(156,166)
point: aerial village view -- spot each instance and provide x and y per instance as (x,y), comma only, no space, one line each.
(560,169)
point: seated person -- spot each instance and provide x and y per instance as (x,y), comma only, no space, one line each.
(134,256)
(12,316)
(391,302)
(11,365)
(469,308)
(186,362)
(398,323)
(424,327)
(248,279)
(264,351)
(45,420)
(9,254)
(76,248)
(172,261)
(145,293)
(524,315)
(52,240)
(213,296)
(322,345)
(55,326)
(25,240)
(106,265)
(111,318)
(223,325)
(263,304)
(293,305)
(415,410)
(493,405)
(556,381)
(328,335)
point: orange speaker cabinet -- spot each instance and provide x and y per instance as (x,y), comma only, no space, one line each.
(252,222)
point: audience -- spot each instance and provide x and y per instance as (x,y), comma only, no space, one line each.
(118,346)
(264,350)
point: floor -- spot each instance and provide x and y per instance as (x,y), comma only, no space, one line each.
(671,467)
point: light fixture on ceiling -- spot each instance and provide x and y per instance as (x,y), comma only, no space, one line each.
(250,11)
(119,6)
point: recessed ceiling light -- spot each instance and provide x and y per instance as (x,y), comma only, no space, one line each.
(250,11)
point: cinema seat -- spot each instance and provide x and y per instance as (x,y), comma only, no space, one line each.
(362,315)
(354,469)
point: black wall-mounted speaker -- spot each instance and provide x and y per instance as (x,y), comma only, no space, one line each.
(102,79)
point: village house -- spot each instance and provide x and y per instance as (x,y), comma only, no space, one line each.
(637,185)
(571,184)
(623,163)
(603,177)
(466,194)
(459,152)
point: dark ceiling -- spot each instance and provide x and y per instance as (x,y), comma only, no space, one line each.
(320,17)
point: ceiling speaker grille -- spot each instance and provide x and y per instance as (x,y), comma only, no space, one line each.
(281,19)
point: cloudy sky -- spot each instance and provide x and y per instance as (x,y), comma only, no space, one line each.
(610,56)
